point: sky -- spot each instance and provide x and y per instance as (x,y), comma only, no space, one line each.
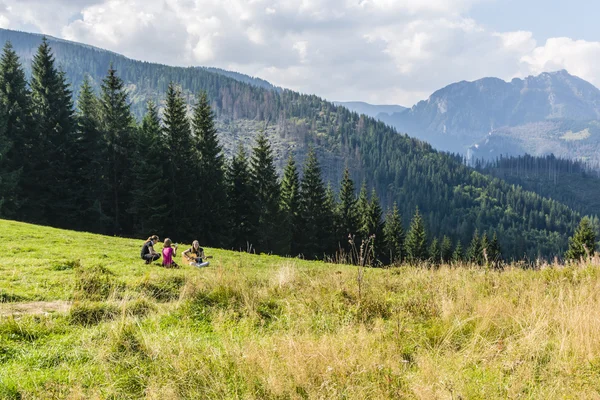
(378,51)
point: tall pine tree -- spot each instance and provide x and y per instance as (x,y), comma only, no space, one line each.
(394,236)
(117,125)
(583,243)
(212,190)
(17,140)
(416,240)
(90,163)
(446,249)
(315,226)
(347,213)
(374,226)
(475,251)
(181,170)
(290,208)
(266,188)
(149,201)
(52,197)
(241,200)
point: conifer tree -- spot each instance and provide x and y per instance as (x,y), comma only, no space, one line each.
(435,253)
(52,197)
(583,243)
(290,208)
(181,169)
(394,236)
(362,208)
(458,255)
(347,210)
(212,194)
(149,202)
(266,188)
(90,163)
(17,140)
(374,225)
(416,240)
(446,249)
(242,200)
(117,124)
(494,250)
(331,205)
(485,256)
(315,226)
(475,251)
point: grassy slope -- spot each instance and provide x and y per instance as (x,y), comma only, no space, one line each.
(268,327)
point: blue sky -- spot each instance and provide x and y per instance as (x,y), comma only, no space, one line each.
(378,51)
(546,19)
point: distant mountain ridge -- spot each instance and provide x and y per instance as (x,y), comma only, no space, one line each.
(463,115)
(372,110)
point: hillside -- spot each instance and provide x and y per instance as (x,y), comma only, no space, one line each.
(454,200)
(573,183)
(523,113)
(82,317)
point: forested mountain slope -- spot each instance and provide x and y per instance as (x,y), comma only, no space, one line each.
(454,199)
(573,183)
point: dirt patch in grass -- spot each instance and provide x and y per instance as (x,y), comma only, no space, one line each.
(34,307)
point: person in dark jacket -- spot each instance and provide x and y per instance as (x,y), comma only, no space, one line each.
(148,253)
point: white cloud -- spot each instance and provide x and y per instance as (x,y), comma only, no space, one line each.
(381,51)
(579,57)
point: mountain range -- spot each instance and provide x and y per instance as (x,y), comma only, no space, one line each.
(554,112)
(454,199)
(371,110)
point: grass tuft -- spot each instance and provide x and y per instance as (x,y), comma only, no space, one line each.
(89,313)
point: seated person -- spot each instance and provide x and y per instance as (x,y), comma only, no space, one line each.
(169,253)
(195,255)
(148,252)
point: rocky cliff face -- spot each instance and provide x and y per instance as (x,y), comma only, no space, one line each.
(463,114)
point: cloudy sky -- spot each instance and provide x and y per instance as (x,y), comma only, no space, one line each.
(379,51)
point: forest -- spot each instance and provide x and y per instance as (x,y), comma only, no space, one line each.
(77,157)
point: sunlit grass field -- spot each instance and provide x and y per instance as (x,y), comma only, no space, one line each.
(81,316)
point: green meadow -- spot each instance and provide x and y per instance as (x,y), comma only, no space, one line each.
(81,316)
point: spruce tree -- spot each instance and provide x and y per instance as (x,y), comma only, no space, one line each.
(416,240)
(347,211)
(485,256)
(241,201)
(181,170)
(394,236)
(475,251)
(149,201)
(362,209)
(266,188)
(91,163)
(17,138)
(330,220)
(435,252)
(117,124)
(315,228)
(494,251)
(446,249)
(583,243)
(290,208)
(212,193)
(52,199)
(374,225)
(458,255)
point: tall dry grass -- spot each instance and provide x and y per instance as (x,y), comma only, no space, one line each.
(297,330)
